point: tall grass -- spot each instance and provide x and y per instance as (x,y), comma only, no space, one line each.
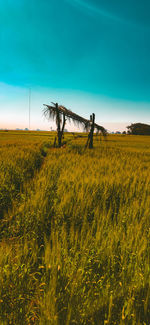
(20,157)
(76,249)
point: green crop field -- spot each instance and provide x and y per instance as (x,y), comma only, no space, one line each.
(74,230)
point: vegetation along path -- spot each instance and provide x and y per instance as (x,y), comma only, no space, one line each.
(76,248)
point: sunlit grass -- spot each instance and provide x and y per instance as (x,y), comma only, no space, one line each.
(75,249)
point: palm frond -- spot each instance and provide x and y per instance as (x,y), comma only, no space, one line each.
(52,111)
(100,129)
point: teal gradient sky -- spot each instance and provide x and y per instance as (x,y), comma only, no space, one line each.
(90,55)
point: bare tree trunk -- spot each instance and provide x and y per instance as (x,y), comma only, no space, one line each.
(64,122)
(58,126)
(91,131)
(87,141)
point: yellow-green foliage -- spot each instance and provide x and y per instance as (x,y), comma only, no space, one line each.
(75,249)
(20,156)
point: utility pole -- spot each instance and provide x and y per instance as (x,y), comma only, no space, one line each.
(29,105)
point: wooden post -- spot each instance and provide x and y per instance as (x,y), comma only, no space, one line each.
(63,125)
(58,126)
(92,118)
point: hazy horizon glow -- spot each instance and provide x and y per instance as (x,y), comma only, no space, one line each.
(15,113)
(89,55)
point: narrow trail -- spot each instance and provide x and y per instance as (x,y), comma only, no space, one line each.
(21,250)
(27,193)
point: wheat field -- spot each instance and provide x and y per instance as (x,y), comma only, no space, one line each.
(75,230)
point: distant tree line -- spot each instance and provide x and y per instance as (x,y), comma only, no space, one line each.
(139,129)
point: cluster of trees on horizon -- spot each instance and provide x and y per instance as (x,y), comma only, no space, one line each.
(138,129)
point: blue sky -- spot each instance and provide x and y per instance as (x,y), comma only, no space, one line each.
(90,55)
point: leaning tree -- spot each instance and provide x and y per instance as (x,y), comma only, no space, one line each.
(61,114)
